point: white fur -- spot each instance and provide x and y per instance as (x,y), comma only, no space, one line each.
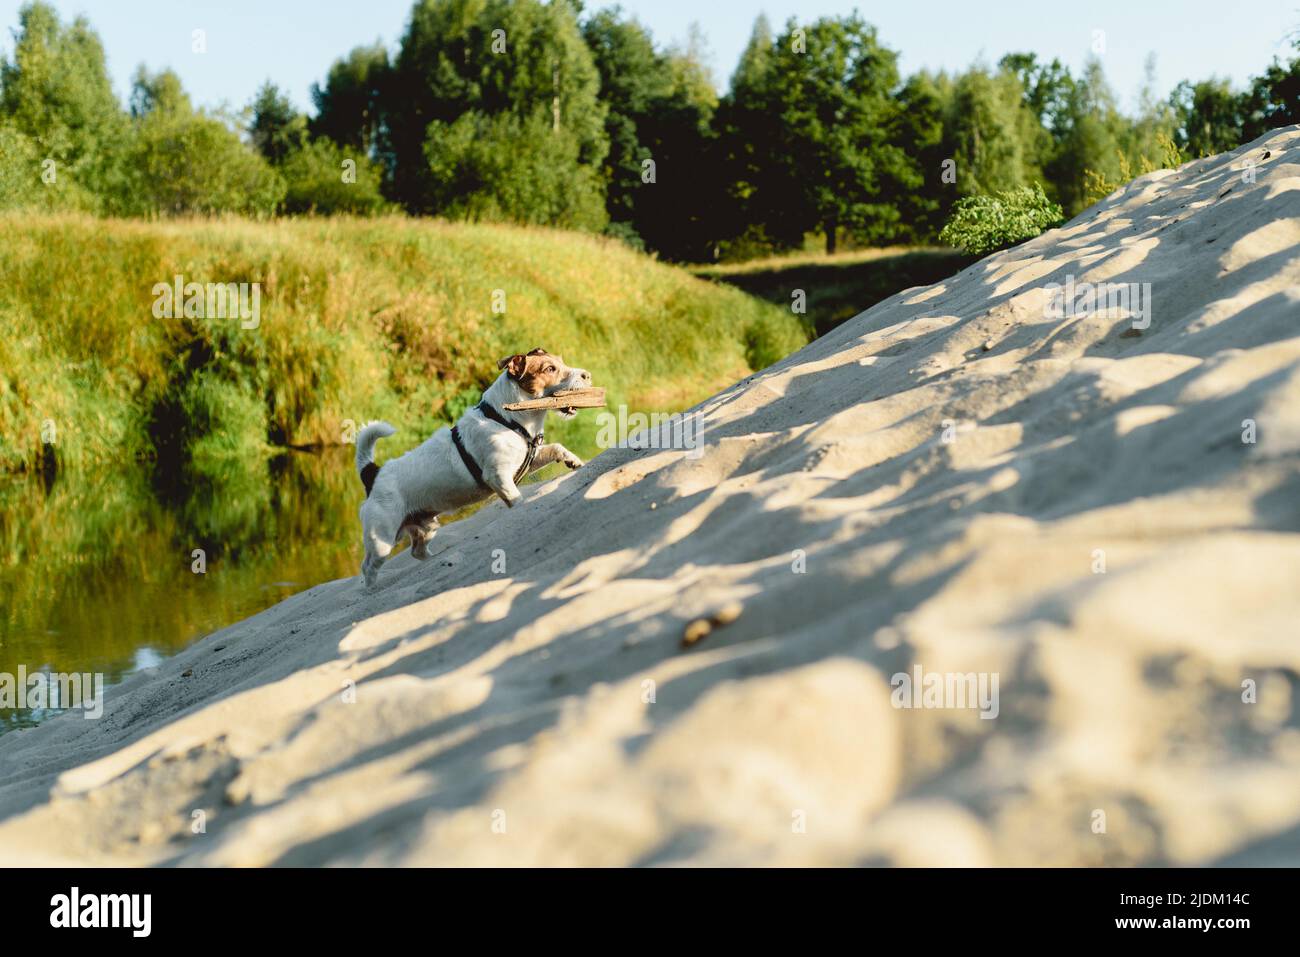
(432,478)
(371,433)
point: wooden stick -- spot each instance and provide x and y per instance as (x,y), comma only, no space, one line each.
(568,399)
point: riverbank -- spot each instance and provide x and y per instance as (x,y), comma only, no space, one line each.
(195,344)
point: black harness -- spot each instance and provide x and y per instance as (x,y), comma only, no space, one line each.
(534,442)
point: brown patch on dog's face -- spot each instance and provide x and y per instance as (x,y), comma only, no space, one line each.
(537,372)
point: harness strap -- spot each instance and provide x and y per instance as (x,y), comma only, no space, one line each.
(475,472)
(533,442)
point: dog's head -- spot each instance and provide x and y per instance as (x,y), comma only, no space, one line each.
(539,373)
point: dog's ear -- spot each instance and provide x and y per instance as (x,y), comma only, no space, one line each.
(515,366)
(539,351)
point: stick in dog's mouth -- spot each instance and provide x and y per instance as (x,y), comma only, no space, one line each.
(566,402)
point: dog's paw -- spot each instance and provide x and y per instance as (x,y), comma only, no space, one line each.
(573,462)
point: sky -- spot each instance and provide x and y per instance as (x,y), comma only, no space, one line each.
(293,42)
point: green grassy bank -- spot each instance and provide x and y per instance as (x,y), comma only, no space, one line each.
(359,319)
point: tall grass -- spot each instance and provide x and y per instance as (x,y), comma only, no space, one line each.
(360,319)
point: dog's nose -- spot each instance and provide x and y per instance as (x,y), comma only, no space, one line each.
(585,376)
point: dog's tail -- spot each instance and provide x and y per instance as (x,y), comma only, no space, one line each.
(370,433)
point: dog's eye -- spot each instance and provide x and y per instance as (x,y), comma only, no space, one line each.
(550,368)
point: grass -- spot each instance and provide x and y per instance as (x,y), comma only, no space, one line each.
(837,287)
(360,319)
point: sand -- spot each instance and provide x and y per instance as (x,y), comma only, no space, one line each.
(955,479)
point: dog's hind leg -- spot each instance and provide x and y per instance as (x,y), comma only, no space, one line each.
(370,566)
(378,538)
(376,554)
(421,527)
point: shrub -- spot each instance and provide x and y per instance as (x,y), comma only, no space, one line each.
(184,163)
(983,224)
(314,181)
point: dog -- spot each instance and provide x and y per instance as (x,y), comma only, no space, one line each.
(488,451)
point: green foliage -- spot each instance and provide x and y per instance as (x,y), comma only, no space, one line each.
(68,144)
(991,132)
(314,176)
(158,93)
(1091,142)
(55,91)
(983,224)
(447,69)
(821,104)
(515,110)
(1166,155)
(481,170)
(219,419)
(20,180)
(1209,116)
(276,129)
(1273,99)
(919,128)
(190,162)
(348,104)
(1048,88)
(659,110)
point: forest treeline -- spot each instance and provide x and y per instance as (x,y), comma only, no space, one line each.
(548,113)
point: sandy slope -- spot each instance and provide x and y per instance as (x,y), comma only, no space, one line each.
(505,718)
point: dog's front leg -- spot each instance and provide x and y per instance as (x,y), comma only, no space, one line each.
(506,490)
(554,452)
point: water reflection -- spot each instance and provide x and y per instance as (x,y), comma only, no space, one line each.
(111,572)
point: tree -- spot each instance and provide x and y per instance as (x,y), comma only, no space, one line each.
(1091,145)
(1209,116)
(489,57)
(20,182)
(182,161)
(1273,99)
(632,80)
(276,129)
(348,105)
(659,108)
(1151,141)
(992,133)
(481,170)
(55,91)
(161,92)
(834,163)
(924,206)
(741,124)
(1047,89)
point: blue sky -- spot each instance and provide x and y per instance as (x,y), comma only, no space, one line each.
(292,42)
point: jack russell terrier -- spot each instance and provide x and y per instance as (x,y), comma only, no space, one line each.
(488,451)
